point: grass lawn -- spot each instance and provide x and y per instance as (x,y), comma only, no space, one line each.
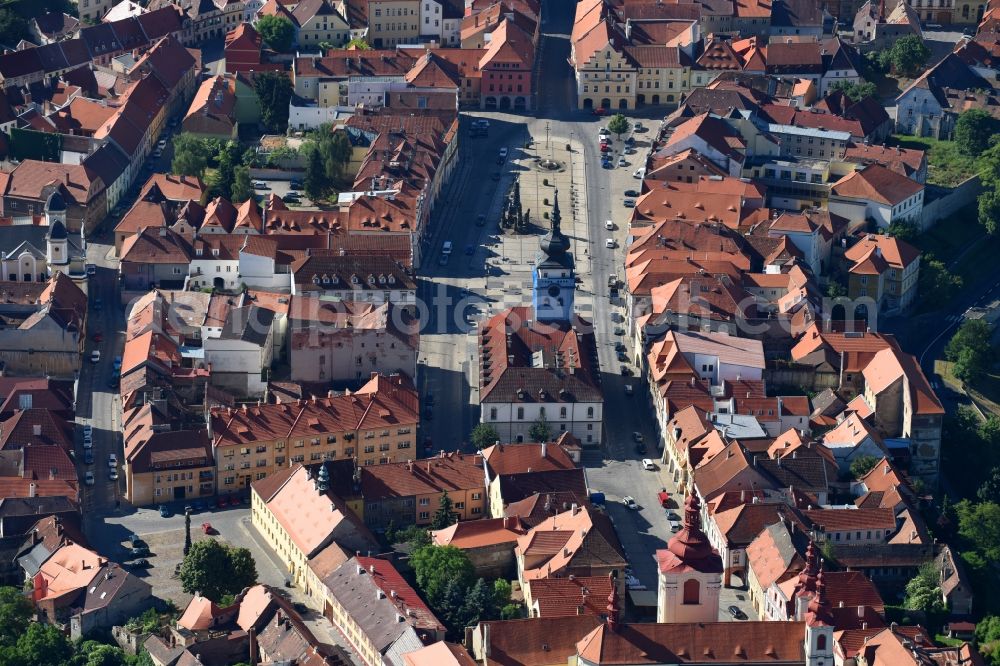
(946,166)
(948,237)
(943,639)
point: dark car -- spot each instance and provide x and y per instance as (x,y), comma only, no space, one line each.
(137,551)
(640,449)
(291,198)
(294,185)
(629,141)
(673,515)
(631,193)
(619,346)
(470,250)
(619,330)
(113,382)
(480,220)
(737,613)
(135,540)
(600,111)
(165,511)
(197,507)
(625,371)
(622,357)
(629,203)
(141,563)
(88,456)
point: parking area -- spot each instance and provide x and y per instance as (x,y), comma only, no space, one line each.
(264,188)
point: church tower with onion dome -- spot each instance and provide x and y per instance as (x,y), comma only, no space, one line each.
(819,626)
(690,573)
(553,279)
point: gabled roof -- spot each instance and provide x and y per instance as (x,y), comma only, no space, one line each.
(878,184)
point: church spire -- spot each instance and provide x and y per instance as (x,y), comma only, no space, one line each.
(556,217)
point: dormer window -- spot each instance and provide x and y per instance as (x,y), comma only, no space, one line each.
(199,251)
(392,279)
(371,279)
(315,279)
(335,279)
(215,251)
(326,280)
(354,279)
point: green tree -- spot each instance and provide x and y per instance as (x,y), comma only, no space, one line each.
(979,527)
(277,31)
(95,653)
(618,124)
(414,535)
(989,490)
(434,566)
(274,92)
(13,26)
(988,639)
(923,592)
(187,532)
(227,158)
(862,465)
(970,350)
(445,515)
(451,608)
(973,130)
(215,569)
(40,645)
(856,91)
(989,210)
(191,156)
(937,285)
(242,186)
(15,615)
(484,435)
(835,290)
(909,55)
(315,181)
(539,430)
(903,230)
(479,604)
(357,43)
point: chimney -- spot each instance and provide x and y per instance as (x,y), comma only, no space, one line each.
(861,610)
(32,489)
(545,449)
(37,430)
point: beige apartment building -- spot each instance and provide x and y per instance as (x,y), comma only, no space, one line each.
(392,22)
(376,425)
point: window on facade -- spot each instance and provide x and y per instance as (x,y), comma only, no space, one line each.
(692,592)
(520,413)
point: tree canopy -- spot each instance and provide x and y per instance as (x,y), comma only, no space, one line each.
(540,430)
(909,55)
(215,569)
(970,350)
(434,566)
(618,124)
(191,155)
(445,515)
(274,92)
(973,131)
(862,465)
(923,592)
(937,284)
(484,435)
(856,91)
(277,31)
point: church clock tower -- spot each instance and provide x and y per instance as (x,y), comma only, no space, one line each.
(553,280)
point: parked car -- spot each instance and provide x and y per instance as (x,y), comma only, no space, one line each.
(291,198)
(141,563)
(88,443)
(629,203)
(503,153)
(294,185)
(637,436)
(626,371)
(609,225)
(629,502)
(600,111)
(113,382)
(260,185)
(629,391)
(640,449)
(88,457)
(112,460)
(622,162)
(673,515)
(113,474)
(165,511)
(138,551)
(675,526)
(97,337)
(619,346)
(610,243)
(480,220)
(88,478)
(91,269)
(88,429)
(605,148)
(639,127)
(117,364)
(737,613)
(470,250)
(648,464)
(632,193)
(619,330)
(158,153)
(622,357)
(135,541)
(95,356)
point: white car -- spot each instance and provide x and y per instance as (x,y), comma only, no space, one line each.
(610,243)
(609,225)
(161,144)
(113,474)
(622,162)
(675,526)
(503,153)
(88,478)
(95,356)
(88,430)
(647,464)
(639,173)
(629,502)
(88,443)
(112,460)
